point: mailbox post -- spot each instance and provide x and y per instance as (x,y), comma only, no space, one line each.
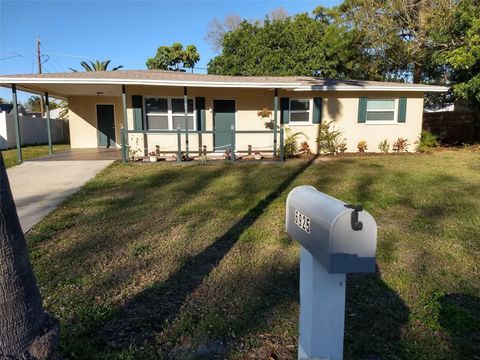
(336,239)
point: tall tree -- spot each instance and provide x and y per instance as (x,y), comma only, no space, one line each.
(299,45)
(97,66)
(174,58)
(27,331)
(33,104)
(461,52)
(218,28)
(396,35)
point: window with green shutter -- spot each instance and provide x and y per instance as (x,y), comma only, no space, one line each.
(299,111)
(317,110)
(137,106)
(381,111)
(284,110)
(200,112)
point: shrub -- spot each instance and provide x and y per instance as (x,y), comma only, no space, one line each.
(329,139)
(426,141)
(400,145)
(362,146)
(342,146)
(384,146)
(305,148)
(291,145)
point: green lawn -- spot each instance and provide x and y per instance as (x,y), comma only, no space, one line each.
(30,152)
(190,261)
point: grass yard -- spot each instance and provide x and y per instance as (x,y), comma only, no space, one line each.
(30,152)
(190,261)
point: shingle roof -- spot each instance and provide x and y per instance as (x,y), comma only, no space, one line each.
(159,77)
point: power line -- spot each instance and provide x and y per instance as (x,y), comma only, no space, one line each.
(13,55)
(94,58)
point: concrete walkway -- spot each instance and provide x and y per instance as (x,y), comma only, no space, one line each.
(38,187)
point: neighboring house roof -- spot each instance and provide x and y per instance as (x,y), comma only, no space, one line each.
(173,78)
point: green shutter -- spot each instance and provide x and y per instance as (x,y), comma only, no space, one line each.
(137,105)
(200,109)
(317,110)
(284,110)
(362,109)
(402,110)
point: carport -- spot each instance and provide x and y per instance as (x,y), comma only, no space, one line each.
(62,89)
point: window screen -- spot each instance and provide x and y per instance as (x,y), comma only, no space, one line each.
(299,110)
(380,110)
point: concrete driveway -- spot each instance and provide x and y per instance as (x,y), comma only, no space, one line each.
(38,187)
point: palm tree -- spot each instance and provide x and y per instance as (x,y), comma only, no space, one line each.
(97,66)
(27,331)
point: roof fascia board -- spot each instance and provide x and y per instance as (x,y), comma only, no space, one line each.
(35,91)
(419,88)
(147,82)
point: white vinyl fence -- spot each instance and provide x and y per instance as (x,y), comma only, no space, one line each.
(33,130)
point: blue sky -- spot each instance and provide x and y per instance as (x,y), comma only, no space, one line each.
(128,32)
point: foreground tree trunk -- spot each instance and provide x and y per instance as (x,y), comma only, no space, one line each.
(26,330)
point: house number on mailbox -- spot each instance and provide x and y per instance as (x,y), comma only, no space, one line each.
(302,221)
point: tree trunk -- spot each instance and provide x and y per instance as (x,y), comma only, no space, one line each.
(417,73)
(26,330)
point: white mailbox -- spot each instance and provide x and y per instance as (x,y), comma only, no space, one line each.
(341,237)
(336,239)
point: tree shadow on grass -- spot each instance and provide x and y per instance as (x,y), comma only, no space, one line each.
(149,312)
(459,315)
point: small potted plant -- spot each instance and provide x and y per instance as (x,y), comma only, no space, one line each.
(152,156)
(342,147)
(362,146)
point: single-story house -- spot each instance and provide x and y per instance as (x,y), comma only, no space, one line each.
(150,105)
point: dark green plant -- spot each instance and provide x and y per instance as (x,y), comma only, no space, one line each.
(329,139)
(426,142)
(291,142)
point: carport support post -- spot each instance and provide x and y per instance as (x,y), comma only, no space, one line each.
(185,105)
(281,144)
(179,146)
(125,120)
(49,129)
(232,141)
(17,123)
(124,149)
(322,310)
(275,110)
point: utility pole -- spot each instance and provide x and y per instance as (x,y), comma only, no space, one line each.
(39,61)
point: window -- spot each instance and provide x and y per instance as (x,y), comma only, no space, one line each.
(381,110)
(178,110)
(300,111)
(156,110)
(168,114)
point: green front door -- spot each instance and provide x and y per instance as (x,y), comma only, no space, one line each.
(223,121)
(106,125)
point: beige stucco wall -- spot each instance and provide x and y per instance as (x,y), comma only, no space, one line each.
(339,107)
(83,119)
